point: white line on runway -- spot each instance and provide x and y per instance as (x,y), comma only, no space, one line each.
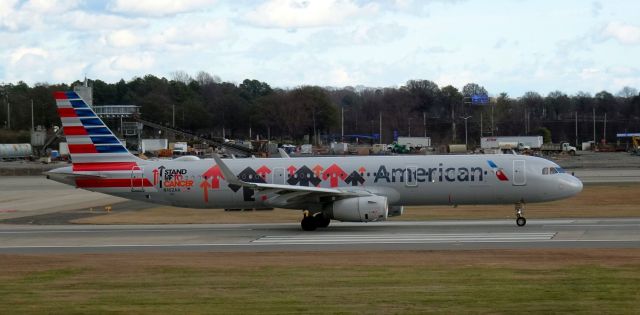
(631,225)
(402,238)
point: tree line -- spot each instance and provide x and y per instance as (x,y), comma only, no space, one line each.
(205,104)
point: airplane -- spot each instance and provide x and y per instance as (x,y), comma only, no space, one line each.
(351,189)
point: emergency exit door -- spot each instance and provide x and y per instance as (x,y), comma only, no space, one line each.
(137,179)
(519,173)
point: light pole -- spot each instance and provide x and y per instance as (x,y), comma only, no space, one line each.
(4,92)
(424,123)
(342,124)
(409,127)
(380,131)
(465,130)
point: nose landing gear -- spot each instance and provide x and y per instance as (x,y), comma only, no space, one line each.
(520,219)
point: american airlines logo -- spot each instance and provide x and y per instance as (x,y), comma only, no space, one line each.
(431,174)
(499,173)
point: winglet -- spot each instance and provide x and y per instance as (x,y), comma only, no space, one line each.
(228,174)
(283,153)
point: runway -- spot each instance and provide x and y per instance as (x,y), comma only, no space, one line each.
(440,235)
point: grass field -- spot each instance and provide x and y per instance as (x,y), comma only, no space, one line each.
(602,200)
(573,281)
(451,282)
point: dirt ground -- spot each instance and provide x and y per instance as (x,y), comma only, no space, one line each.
(527,259)
(598,200)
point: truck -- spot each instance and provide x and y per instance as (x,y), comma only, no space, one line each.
(524,142)
(414,143)
(179,148)
(563,147)
(154,145)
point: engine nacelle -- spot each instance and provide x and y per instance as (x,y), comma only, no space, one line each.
(359,209)
(396,211)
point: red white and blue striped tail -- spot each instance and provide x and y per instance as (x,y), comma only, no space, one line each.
(92,145)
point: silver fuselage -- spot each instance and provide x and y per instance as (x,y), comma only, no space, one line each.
(404,180)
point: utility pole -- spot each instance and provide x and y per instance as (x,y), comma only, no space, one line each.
(492,126)
(424,123)
(453,123)
(342,124)
(32,126)
(380,127)
(604,132)
(594,126)
(409,127)
(466,143)
(576,129)
(481,133)
(6,100)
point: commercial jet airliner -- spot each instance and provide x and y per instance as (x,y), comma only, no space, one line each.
(353,189)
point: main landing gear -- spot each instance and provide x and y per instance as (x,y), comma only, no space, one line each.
(311,222)
(520,219)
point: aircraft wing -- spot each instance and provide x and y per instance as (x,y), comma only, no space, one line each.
(287,195)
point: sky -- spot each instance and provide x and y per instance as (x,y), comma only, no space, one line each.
(506,46)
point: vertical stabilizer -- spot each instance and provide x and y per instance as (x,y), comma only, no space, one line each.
(92,145)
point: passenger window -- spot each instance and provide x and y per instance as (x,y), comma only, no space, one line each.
(545,171)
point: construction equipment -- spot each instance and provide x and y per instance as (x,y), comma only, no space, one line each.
(231,148)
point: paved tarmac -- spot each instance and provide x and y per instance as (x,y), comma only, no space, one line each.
(447,235)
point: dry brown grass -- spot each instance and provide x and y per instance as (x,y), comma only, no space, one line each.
(513,258)
(603,200)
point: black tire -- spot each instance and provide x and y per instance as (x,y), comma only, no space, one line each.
(308,224)
(322,221)
(521,221)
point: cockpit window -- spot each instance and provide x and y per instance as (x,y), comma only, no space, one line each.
(552,170)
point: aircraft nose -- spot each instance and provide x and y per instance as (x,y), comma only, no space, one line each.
(571,186)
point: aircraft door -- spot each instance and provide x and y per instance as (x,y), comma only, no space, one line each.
(278,176)
(519,173)
(137,179)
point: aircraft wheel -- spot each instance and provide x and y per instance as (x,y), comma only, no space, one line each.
(308,223)
(521,221)
(322,220)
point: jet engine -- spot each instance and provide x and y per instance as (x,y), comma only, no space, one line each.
(359,209)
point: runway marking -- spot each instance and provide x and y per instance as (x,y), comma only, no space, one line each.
(116,231)
(404,238)
(632,225)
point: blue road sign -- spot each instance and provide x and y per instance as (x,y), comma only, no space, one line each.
(478,99)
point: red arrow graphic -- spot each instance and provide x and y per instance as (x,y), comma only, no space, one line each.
(263,171)
(215,174)
(362,169)
(318,170)
(291,169)
(334,172)
(155,177)
(205,187)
